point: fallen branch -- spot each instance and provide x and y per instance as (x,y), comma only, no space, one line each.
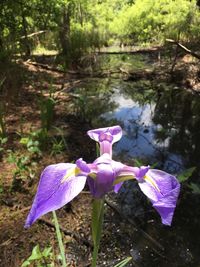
(44,66)
(67,87)
(32,34)
(81,74)
(184,48)
(84,241)
(135,51)
(139,74)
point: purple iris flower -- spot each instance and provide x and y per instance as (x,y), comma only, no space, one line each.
(106,137)
(62,182)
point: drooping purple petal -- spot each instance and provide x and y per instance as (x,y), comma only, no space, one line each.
(54,190)
(163,190)
(106,137)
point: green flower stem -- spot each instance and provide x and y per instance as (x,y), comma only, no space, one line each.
(97,224)
(59,238)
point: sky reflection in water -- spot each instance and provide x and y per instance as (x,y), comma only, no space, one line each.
(139,137)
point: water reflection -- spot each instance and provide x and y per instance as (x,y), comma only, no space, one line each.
(161,125)
(145,136)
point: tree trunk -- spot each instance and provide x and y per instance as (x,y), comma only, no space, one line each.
(1,44)
(65,31)
(81,14)
(26,41)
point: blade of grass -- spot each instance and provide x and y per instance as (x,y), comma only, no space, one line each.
(59,238)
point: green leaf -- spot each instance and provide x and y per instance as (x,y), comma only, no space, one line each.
(123,262)
(30,143)
(36,254)
(137,163)
(186,174)
(59,238)
(47,252)
(4,140)
(24,140)
(26,263)
(195,188)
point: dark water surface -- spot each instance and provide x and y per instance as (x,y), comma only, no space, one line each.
(161,126)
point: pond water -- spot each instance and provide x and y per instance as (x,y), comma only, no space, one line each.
(161,127)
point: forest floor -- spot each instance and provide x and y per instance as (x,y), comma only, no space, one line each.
(27,85)
(23,89)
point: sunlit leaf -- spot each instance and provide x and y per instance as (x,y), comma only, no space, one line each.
(185,175)
(47,252)
(36,254)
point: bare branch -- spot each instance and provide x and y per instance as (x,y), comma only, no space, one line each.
(184,48)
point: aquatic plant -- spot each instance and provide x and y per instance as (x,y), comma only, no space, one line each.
(62,182)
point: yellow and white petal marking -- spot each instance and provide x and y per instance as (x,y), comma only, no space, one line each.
(123,178)
(72,172)
(151,181)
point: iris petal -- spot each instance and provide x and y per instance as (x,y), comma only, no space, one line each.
(163,190)
(53,192)
(106,137)
(114,131)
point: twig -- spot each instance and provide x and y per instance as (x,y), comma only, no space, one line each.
(147,236)
(184,48)
(67,88)
(32,34)
(85,242)
(8,241)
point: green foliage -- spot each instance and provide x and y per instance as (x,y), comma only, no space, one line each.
(153,21)
(2,121)
(195,188)
(60,241)
(47,105)
(35,141)
(42,136)
(3,141)
(47,112)
(80,27)
(40,258)
(23,166)
(58,142)
(185,175)
(57,146)
(31,144)
(123,262)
